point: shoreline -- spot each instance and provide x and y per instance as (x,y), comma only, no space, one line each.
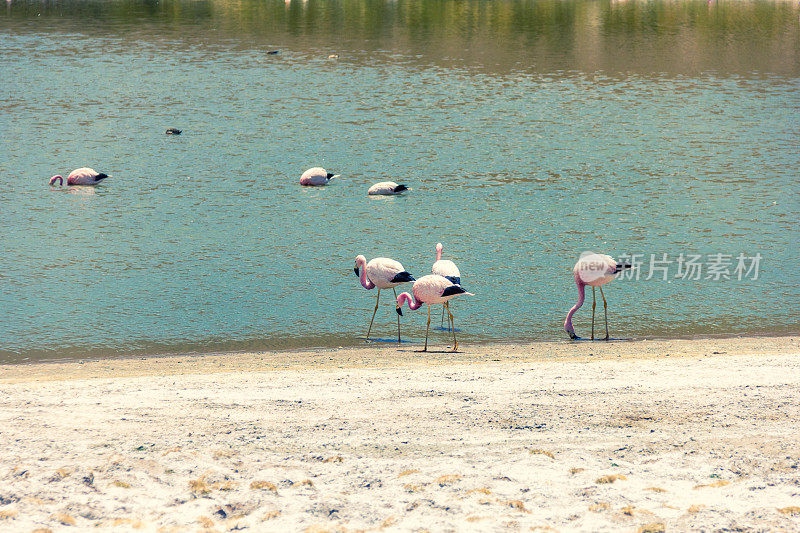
(382,355)
(634,436)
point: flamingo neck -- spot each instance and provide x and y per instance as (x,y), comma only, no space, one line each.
(439,249)
(405,297)
(581,297)
(57,177)
(365,282)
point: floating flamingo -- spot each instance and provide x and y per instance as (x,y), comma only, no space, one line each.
(80,176)
(431,289)
(447,269)
(383,273)
(315,177)
(386,188)
(594,270)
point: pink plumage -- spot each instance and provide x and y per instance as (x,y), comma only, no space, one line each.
(593,270)
(80,176)
(431,289)
(383,273)
(316,177)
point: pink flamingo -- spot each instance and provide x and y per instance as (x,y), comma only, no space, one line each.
(431,289)
(386,188)
(316,177)
(447,269)
(80,176)
(594,270)
(383,273)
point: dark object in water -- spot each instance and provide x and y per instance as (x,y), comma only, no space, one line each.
(273,52)
(173,131)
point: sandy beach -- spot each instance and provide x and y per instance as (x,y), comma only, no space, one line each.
(590,436)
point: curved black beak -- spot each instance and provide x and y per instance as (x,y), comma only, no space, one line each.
(399,311)
(356,270)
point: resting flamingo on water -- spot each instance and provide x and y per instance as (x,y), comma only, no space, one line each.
(594,270)
(316,177)
(386,188)
(80,176)
(447,269)
(383,273)
(431,289)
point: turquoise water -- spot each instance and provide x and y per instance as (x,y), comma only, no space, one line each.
(528,131)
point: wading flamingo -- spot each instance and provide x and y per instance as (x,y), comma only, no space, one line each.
(80,176)
(386,188)
(383,273)
(315,177)
(431,289)
(594,270)
(447,269)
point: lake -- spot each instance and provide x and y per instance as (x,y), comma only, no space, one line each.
(528,131)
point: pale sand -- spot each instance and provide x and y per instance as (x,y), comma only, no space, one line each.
(682,435)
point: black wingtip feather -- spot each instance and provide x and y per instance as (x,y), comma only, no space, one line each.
(403,277)
(453,289)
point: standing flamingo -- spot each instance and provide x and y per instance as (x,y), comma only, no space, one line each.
(431,289)
(80,176)
(594,270)
(383,273)
(447,269)
(315,177)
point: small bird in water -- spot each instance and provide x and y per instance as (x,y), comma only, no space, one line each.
(80,176)
(431,289)
(273,52)
(173,131)
(333,56)
(383,273)
(594,270)
(386,188)
(316,177)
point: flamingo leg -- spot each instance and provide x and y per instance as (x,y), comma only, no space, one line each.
(453,324)
(428,329)
(398,317)
(594,304)
(605,309)
(444,304)
(378,299)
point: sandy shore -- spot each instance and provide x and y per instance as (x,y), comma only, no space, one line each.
(622,436)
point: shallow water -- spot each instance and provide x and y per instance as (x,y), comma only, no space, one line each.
(528,131)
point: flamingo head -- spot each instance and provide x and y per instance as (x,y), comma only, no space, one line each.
(360,260)
(57,177)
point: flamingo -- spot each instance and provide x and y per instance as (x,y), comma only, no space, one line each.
(447,269)
(80,176)
(383,273)
(316,176)
(386,188)
(594,270)
(431,289)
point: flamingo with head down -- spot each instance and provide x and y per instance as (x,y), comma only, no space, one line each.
(431,289)
(594,270)
(316,177)
(386,188)
(383,273)
(80,176)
